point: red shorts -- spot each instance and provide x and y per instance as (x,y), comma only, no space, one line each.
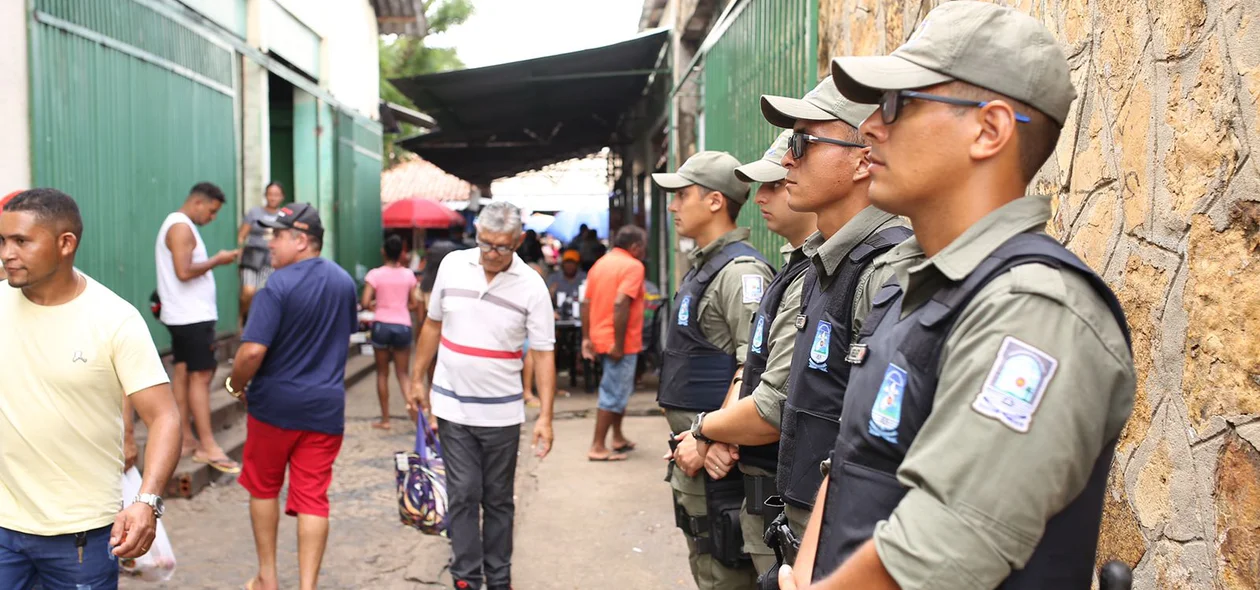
(309,456)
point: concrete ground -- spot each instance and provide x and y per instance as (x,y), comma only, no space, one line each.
(579,524)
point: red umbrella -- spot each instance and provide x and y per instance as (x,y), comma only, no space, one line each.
(419,213)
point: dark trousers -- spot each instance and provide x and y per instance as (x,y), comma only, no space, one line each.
(480,476)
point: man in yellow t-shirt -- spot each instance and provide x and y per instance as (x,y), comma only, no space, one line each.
(83,352)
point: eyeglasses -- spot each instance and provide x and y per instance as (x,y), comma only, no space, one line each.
(486,247)
(891,101)
(798,140)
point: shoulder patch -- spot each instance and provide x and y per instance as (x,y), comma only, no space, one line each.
(1015,384)
(754,286)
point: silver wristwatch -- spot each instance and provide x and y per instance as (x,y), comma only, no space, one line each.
(154,501)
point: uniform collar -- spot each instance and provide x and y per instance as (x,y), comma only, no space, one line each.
(790,252)
(828,253)
(967,251)
(700,256)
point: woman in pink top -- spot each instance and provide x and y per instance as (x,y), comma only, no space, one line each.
(391,293)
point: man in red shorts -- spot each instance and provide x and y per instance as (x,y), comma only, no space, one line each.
(293,358)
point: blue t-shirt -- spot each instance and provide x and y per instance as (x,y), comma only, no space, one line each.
(304,316)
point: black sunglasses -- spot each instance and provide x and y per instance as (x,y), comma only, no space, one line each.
(890,103)
(798,140)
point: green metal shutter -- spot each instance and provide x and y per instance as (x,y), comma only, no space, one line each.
(770,48)
(358,194)
(129,109)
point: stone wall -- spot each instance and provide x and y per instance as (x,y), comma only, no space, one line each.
(1156,189)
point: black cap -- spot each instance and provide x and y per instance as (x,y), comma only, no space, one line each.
(300,216)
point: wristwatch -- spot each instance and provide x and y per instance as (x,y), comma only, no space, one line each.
(233,392)
(695,430)
(154,501)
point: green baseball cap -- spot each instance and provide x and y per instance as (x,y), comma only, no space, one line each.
(768,168)
(715,170)
(823,103)
(990,46)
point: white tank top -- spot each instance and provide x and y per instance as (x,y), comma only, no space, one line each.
(183,302)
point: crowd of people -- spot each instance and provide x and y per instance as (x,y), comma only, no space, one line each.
(925,390)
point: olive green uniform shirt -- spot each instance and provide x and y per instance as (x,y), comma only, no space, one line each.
(726,311)
(771,393)
(981,492)
(827,254)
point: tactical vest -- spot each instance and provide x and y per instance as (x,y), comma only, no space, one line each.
(766,456)
(811,415)
(891,391)
(695,374)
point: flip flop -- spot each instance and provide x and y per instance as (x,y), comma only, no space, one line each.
(625,448)
(609,458)
(224,464)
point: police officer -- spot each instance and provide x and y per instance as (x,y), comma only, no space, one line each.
(754,419)
(706,342)
(992,378)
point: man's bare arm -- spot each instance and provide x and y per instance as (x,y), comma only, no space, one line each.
(803,569)
(621,321)
(426,351)
(740,423)
(249,358)
(181,242)
(157,409)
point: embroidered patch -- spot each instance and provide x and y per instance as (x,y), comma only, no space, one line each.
(684,311)
(753,287)
(821,349)
(886,412)
(759,334)
(1015,385)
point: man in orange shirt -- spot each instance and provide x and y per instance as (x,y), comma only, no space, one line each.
(612,326)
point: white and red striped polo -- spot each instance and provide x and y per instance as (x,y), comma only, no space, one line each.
(484,329)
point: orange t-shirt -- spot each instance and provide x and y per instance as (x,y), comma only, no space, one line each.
(614,273)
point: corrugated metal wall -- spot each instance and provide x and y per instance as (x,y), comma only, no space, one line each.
(358,194)
(129,109)
(770,48)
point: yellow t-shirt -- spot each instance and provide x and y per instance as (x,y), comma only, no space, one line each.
(65,369)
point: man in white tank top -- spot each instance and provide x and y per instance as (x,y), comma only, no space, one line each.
(189,311)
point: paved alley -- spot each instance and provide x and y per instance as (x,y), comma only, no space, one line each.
(579,524)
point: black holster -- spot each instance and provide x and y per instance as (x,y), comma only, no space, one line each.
(780,538)
(717,533)
(757,489)
(724,498)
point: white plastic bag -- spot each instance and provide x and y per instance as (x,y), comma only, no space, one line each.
(158,565)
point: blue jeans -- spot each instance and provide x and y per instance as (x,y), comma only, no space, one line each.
(617,383)
(53,562)
(391,336)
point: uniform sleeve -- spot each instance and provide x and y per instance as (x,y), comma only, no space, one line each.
(869,282)
(631,283)
(737,290)
(771,393)
(135,357)
(264,316)
(540,323)
(983,483)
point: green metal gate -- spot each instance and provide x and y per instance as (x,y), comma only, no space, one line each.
(770,48)
(358,194)
(130,109)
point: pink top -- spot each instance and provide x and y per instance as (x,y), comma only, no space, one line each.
(393,287)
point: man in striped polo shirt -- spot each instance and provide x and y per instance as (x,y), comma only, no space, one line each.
(485,302)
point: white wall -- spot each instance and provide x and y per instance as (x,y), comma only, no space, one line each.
(15,117)
(349,58)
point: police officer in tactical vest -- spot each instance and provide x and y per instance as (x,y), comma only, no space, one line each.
(992,378)
(750,415)
(705,344)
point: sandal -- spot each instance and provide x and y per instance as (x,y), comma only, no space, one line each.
(223,464)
